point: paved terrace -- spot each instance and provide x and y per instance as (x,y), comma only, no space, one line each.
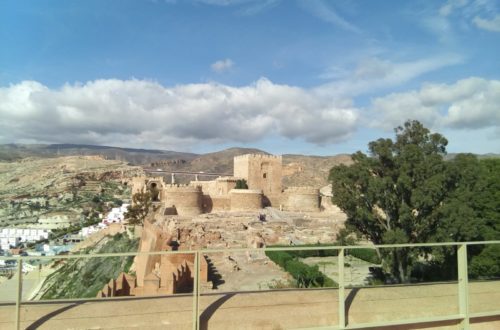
(284,309)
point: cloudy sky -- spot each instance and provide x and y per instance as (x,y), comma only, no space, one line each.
(311,76)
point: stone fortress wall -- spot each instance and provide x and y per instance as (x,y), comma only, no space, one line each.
(246,199)
(263,174)
(185,199)
(302,199)
(168,274)
(157,274)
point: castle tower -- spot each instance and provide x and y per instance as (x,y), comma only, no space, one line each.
(261,172)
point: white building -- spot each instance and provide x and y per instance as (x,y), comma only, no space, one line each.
(117,214)
(86,231)
(14,236)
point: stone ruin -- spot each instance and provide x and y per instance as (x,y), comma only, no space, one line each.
(157,274)
(263,174)
(173,273)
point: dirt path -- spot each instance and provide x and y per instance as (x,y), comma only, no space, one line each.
(356,274)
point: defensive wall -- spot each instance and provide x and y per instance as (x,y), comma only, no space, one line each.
(218,187)
(261,172)
(246,199)
(186,199)
(156,274)
(301,199)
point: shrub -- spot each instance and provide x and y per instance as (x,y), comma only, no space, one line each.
(369,255)
(305,276)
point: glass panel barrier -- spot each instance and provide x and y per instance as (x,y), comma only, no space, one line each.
(419,287)
(109,291)
(266,289)
(274,287)
(484,278)
(8,293)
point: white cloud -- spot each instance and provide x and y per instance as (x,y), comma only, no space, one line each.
(246,7)
(321,10)
(144,113)
(375,74)
(490,25)
(451,5)
(472,103)
(222,65)
(457,17)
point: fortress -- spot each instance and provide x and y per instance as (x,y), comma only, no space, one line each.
(263,175)
(169,274)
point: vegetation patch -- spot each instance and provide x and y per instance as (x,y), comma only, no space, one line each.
(85,277)
(305,276)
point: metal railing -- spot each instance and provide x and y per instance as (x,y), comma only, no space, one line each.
(463,317)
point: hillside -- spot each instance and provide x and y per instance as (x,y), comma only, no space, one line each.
(85,277)
(12,152)
(299,170)
(215,162)
(76,185)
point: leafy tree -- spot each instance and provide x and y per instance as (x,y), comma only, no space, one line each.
(487,198)
(141,204)
(487,263)
(241,184)
(394,194)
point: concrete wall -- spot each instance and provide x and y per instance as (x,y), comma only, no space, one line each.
(246,199)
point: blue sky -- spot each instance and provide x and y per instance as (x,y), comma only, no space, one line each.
(312,76)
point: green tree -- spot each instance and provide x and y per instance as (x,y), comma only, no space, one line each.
(138,211)
(485,262)
(241,184)
(393,195)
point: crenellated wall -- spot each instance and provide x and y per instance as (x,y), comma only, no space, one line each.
(216,188)
(261,172)
(246,199)
(301,199)
(186,199)
(157,274)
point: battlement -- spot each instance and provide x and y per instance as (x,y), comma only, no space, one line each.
(301,190)
(258,156)
(246,191)
(182,188)
(154,178)
(228,179)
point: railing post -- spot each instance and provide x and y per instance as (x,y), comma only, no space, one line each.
(19,292)
(463,286)
(341,283)
(196,294)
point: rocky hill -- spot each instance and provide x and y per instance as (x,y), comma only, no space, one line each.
(44,185)
(215,162)
(298,170)
(11,152)
(85,277)
(34,187)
